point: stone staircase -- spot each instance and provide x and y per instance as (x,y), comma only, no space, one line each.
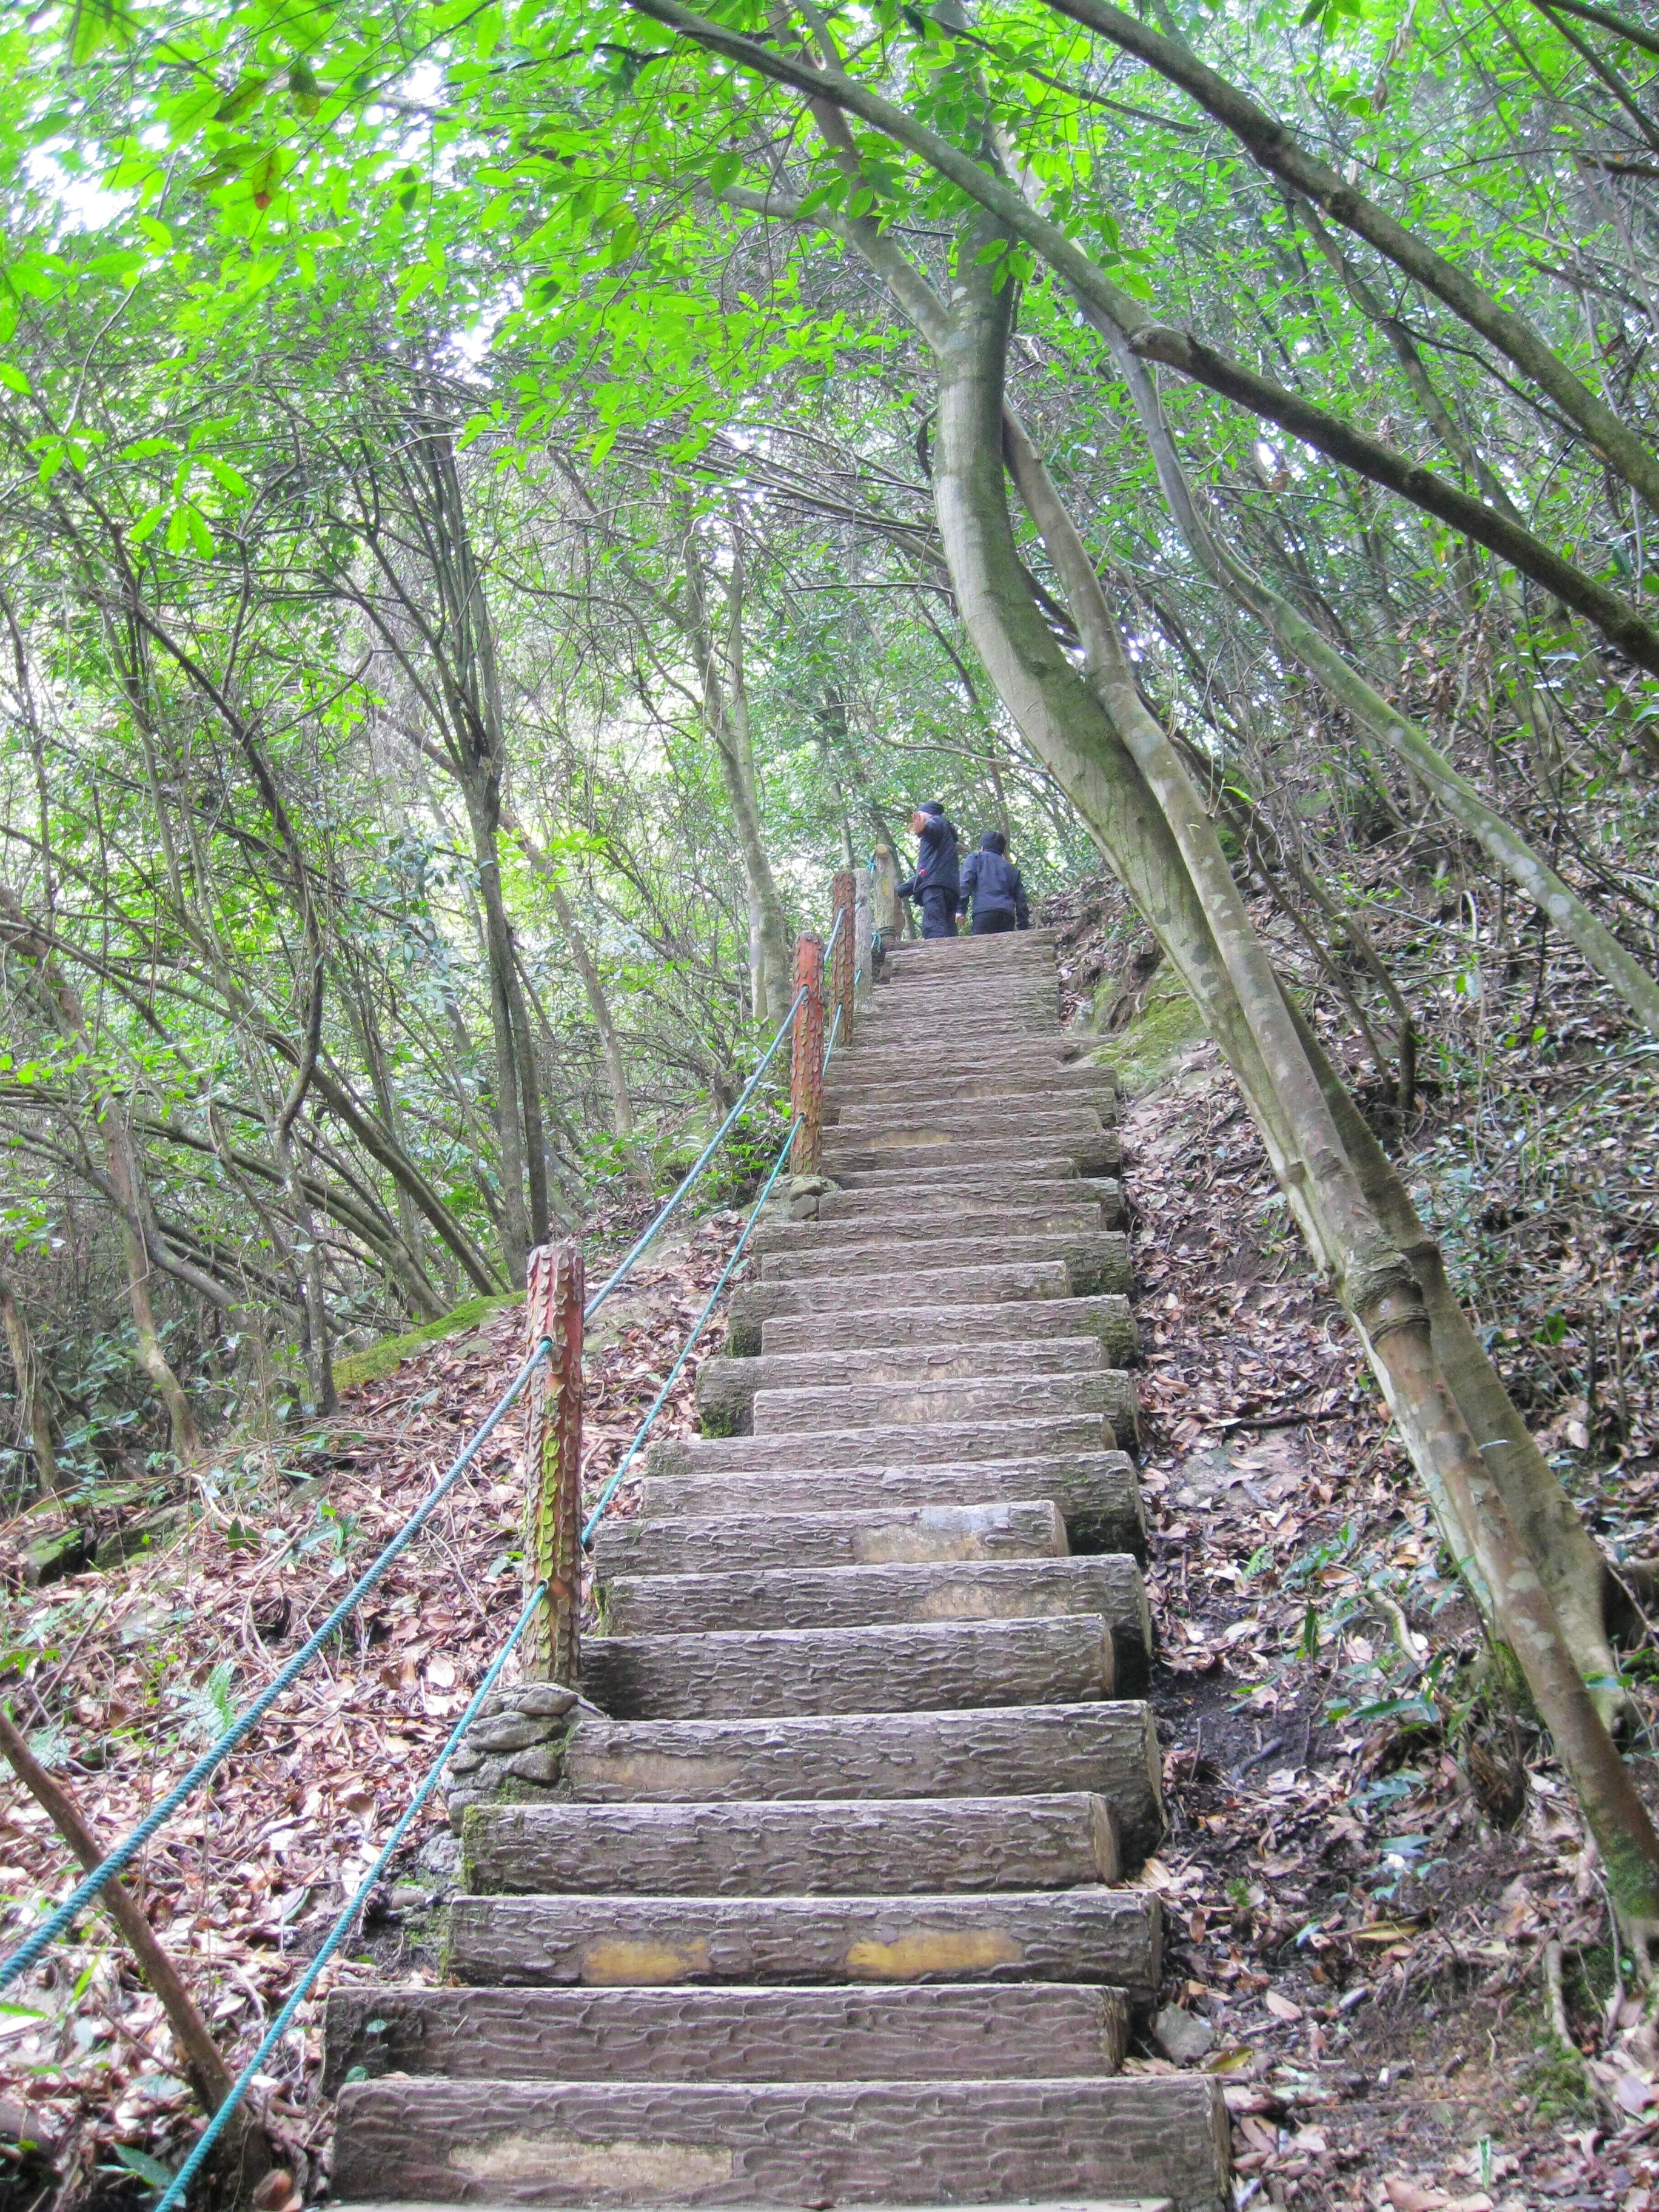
(828,1908)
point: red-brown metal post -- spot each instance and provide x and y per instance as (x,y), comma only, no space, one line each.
(842,902)
(551,1645)
(806,1056)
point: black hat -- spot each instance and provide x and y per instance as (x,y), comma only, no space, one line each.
(930,806)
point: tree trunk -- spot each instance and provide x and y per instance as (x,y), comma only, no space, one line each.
(1170,859)
(1412,746)
(727,720)
(599,1000)
(33,1402)
(124,1176)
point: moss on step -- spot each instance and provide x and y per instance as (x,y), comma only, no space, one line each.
(1166,1023)
(379,1359)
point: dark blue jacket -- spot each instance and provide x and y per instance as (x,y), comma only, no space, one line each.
(992,882)
(936,860)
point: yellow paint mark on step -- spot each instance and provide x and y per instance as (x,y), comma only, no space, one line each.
(625,2171)
(919,1952)
(610,1963)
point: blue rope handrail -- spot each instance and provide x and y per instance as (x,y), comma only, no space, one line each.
(661,1399)
(337,1934)
(27,1952)
(122,1855)
(649,1235)
(128,1849)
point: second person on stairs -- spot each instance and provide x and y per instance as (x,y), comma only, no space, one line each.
(992,883)
(936,885)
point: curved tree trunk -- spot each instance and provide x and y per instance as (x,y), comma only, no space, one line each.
(1172,864)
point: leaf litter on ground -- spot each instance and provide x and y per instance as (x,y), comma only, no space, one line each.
(1369,1855)
(121,1679)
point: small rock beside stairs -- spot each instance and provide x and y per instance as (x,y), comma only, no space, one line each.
(827,1908)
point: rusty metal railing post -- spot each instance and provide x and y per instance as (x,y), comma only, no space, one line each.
(806,1056)
(843,901)
(551,1648)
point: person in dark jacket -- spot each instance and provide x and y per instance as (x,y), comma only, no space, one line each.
(991,882)
(936,886)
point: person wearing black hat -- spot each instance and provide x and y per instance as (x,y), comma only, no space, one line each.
(936,884)
(991,882)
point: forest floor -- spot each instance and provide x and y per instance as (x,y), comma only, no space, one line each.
(1369,1854)
(127,1676)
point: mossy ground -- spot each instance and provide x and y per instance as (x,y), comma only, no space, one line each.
(379,1359)
(1166,1023)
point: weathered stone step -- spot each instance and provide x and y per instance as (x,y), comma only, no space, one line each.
(1085,1934)
(1108,1749)
(1096,1494)
(992,1059)
(911,1128)
(991,1395)
(825,1598)
(982,1223)
(965,1197)
(916,2032)
(1093,1156)
(853,1083)
(648,1545)
(626,2145)
(986,1283)
(905,1666)
(832,1449)
(1094,1259)
(1013,1167)
(770,1847)
(924,1021)
(913,1329)
(725,1388)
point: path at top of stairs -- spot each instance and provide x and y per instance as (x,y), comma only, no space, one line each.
(830,1907)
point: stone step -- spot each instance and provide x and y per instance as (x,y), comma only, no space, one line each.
(649,1544)
(835,1449)
(916,2032)
(915,1128)
(1108,1749)
(822,1600)
(624,2145)
(924,1021)
(1093,1155)
(768,1847)
(1038,942)
(850,1083)
(1014,1167)
(1070,2204)
(1041,1060)
(725,1388)
(1085,1934)
(1095,1259)
(988,1282)
(964,1196)
(990,1395)
(986,1222)
(1097,1493)
(915,1329)
(907,1666)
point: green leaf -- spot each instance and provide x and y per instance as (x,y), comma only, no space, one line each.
(13,379)
(240,99)
(147,2168)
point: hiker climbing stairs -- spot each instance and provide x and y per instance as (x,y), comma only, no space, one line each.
(830,1907)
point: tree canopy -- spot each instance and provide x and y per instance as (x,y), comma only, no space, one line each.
(500,501)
